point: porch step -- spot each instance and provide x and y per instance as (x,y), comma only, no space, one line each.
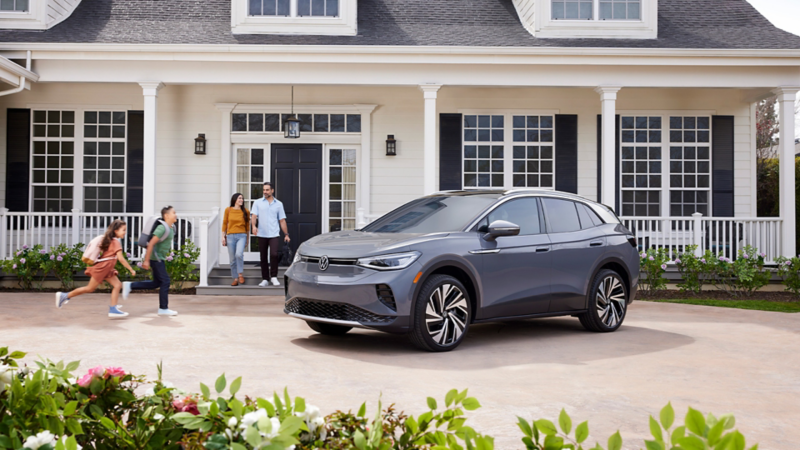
(241,291)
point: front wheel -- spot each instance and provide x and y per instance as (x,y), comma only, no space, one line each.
(608,302)
(329,329)
(441,314)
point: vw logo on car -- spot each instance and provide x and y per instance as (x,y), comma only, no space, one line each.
(323,263)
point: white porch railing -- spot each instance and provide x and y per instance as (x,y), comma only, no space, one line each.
(18,229)
(723,236)
(210,243)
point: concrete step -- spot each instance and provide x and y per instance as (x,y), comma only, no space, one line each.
(241,291)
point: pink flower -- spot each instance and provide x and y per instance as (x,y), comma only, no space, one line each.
(22,260)
(59,259)
(788,263)
(763,255)
(14,267)
(94,372)
(19,252)
(186,255)
(85,380)
(677,260)
(139,264)
(744,255)
(98,371)
(187,404)
(52,257)
(115,372)
(24,247)
(664,266)
(652,259)
(644,255)
(42,251)
(703,260)
(170,258)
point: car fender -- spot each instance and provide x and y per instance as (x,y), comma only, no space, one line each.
(443,261)
(609,258)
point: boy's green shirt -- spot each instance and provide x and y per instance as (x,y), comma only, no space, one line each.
(162,248)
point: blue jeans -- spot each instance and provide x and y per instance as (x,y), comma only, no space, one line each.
(160,281)
(236,243)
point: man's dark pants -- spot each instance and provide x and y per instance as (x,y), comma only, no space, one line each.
(160,281)
(268,248)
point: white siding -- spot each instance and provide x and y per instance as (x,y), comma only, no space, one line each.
(526,10)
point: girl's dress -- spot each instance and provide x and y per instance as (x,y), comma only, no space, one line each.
(104,270)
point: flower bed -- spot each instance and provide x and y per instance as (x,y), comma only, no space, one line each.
(47,408)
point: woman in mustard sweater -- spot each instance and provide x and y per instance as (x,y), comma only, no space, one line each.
(235,225)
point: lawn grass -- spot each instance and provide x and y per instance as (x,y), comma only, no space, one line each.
(759,305)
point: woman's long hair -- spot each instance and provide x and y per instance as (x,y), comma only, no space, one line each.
(244,210)
(111,234)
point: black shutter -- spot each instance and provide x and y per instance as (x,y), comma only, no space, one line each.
(135,159)
(567,153)
(722,166)
(450,152)
(600,160)
(18,154)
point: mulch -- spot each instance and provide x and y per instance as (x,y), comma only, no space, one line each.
(785,297)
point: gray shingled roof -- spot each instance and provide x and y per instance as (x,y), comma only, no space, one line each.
(710,24)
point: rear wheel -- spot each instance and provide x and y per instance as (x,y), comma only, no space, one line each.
(441,314)
(608,303)
(329,329)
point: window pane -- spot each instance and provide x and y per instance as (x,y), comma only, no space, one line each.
(303,7)
(337,122)
(605,10)
(558,10)
(305,122)
(321,122)
(433,214)
(562,215)
(239,122)
(332,8)
(283,7)
(255,7)
(522,212)
(317,7)
(255,122)
(354,123)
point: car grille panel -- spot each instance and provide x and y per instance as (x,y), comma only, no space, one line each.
(335,311)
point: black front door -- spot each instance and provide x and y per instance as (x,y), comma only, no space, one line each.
(297,178)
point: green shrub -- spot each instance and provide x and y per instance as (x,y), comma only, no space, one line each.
(27,265)
(68,261)
(180,265)
(653,263)
(695,271)
(789,271)
(743,276)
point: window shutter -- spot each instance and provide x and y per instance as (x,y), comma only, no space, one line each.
(567,153)
(450,152)
(722,166)
(135,160)
(600,160)
(18,155)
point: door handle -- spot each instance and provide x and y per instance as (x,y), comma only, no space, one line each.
(595,243)
(542,249)
(484,252)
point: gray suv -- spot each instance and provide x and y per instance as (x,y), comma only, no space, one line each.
(435,265)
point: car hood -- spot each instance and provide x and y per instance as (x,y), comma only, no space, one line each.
(356,244)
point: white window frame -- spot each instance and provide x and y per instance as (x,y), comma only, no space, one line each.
(111,141)
(343,25)
(35,18)
(645,28)
(508,142)
(75,156)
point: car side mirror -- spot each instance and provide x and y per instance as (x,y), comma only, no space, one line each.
(500,228)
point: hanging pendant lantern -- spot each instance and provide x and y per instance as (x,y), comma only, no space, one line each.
(291,128)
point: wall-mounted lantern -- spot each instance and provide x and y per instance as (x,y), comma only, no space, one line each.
(200,144)
(291,128)
(391,145)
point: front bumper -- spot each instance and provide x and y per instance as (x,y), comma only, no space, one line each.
(348,296)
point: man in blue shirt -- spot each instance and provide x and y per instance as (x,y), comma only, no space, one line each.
(269,219)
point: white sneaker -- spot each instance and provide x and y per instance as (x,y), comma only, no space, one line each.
(126,289)
(275,281)
(264,283)
(167,312)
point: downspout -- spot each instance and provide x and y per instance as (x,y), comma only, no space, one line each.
(22,79)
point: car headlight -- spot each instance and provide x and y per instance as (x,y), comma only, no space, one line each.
(394,261)
(297,258)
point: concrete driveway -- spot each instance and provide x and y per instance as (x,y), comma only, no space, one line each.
(714,359)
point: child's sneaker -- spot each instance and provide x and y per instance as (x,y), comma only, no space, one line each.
(126,289)
(61,299)
(115,313)
(167,312)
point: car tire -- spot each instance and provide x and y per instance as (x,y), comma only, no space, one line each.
(608,303)
(328,329)
(442,314)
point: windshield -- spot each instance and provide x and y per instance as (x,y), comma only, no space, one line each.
(433,214)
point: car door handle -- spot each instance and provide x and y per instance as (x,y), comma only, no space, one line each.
(542,249)
(595,243)
(484,252)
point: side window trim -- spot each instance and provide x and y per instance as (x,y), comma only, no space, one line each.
(485,218)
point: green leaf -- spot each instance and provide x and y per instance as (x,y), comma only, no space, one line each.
(471,404)
(716,432)
(524,426)
(615,441)
(237,383)
(553,443)
(667,416)
(564,421)
(360,440)
(291,425)
(252,436)
(106,422)
(299,404)
(286,397)
(677,433)
(220,384)
(582,432)
(655,429)
(738,440)
(70,408)
(237,446)
(691,443)
(205,391)
(546,427)
(432,402)
(73,366)
(450,397)
(17,355)
(653,445)
(729,420)
(362,411)
(5,441)
(695,422)
(72,443)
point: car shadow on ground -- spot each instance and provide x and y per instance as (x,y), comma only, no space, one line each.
(486,346)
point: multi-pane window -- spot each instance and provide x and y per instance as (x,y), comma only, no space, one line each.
(533,129)
(53,160)
(533,166)
(14,5)
(620,9)
(483,160)
(342,190)
(104,161)
(250,174)
(640,168)
(317,123)
(304,8)
(689,165)
(572,9)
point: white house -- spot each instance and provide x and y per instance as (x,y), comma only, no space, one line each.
(645,105)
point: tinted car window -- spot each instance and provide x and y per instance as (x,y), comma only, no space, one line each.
(588,217)
(433,214)
(562,215)
(523,212)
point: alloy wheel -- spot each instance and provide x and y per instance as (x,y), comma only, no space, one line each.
(446,314)
(611,302)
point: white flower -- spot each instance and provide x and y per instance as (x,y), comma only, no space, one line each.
(6,376)
(252,417)
(273,433)
(150,392)
(158,416)
(43,438)
(232,422)
(313,419)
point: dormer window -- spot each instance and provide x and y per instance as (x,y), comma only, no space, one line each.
(311,17)
(595,19)
(14,5)
(602,9)
(34,14)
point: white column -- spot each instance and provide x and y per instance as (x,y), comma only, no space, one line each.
(429,143)
(608,171)
(150,90)
(4,233)
(786,100)
(227,183)
(364,164)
